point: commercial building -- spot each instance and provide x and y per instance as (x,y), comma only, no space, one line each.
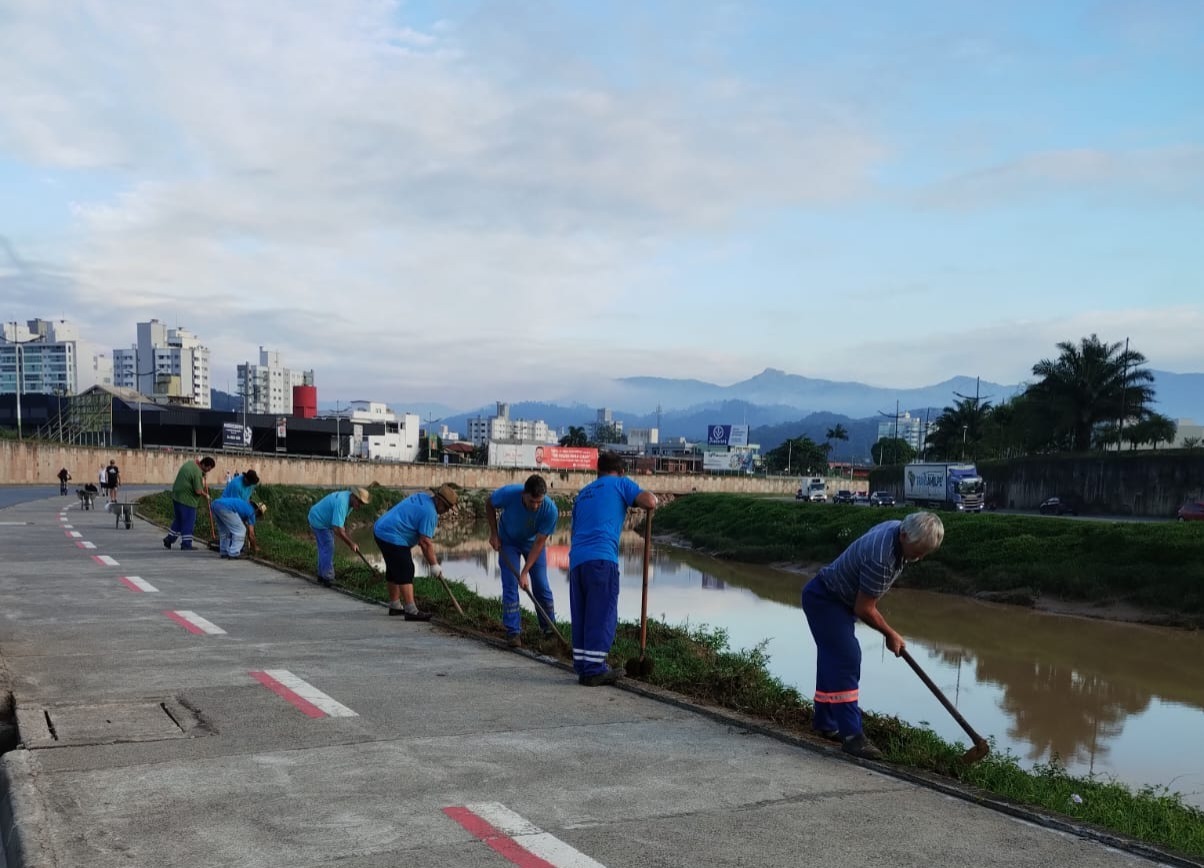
(642,438)
(369,429)
(500,428)
(605,421)
(166,363)
(268,386)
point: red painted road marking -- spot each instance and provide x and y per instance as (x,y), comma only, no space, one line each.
(194,623)
(516,839)
(137,583)
(105,561)
(301,694)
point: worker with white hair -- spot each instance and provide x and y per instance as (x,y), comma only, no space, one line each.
(849,589)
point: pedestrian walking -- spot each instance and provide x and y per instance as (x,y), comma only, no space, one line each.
(187,492)
(844,591)
(528,518)
(112,480)
(598,516)
(64,478)
(235,519)
(102,479)
(410,523)
(240,485)
(326,520)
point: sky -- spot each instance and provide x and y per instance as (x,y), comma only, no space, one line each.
(460,202)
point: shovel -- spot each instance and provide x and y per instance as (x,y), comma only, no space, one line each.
(538,608)
(446,586)
(981,748)
(639,667)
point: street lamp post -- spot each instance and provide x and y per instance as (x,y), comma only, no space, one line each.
(964,429)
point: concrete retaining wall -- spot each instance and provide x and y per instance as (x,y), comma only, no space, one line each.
(38,463)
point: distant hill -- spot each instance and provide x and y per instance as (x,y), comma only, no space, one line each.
(224,401)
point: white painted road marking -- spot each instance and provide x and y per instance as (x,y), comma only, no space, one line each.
(105,561)
(137,583)
(301,694)
(74,533)
(517,839)
(68,527)
(84,544)
(194,623)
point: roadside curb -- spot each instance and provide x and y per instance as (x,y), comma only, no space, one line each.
(22,817)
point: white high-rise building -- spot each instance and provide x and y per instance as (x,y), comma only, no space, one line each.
(165,363)
(912,429)
(268,386)
(48,357)
(500,428)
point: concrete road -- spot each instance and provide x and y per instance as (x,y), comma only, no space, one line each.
(181,710)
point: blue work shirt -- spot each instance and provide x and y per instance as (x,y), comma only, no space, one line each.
(518,525)
(237,505)
(331,511)
(598,516)
(869,565)
(237,487)
(413,517)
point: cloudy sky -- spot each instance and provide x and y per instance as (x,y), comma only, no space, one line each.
(464,201)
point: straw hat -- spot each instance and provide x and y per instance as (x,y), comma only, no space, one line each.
(447,494)
(361,494)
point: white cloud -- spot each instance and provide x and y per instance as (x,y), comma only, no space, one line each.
(311,175)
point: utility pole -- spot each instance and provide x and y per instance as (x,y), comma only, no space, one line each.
(1124,387)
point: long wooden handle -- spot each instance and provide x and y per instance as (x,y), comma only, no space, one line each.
(644,596)
(538,608)
(939,694)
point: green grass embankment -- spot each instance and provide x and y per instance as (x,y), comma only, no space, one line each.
(696,662)
(1157,566)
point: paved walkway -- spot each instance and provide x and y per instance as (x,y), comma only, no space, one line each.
(182,710)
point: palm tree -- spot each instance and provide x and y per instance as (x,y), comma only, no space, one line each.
(837,432)
(1092,382)
(960,426)
(575,437)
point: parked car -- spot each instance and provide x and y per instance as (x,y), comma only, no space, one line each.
(843,496)
(861,499)
(1058,506)
(882,498)
(1193,510)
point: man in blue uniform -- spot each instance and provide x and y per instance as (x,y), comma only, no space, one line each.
(326,520)
(598,516)
(847,589)
(235,520)
(409,523)
(241,485)
(528,519)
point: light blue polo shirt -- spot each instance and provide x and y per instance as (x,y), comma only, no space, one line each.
(331,511)
(238,506)
(870,564)
(598,516)
(237,487)
(518,525)
(414,517)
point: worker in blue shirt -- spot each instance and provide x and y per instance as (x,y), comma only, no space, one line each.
(242,485)
(326,520)
(528,518)
(848,590)
(409,523)
(598,516)
(235,520)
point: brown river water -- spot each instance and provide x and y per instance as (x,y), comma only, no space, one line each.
(1114,699)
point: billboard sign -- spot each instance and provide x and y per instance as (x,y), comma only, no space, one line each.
(727,435)
(727,461)
(542,457)
(235,436)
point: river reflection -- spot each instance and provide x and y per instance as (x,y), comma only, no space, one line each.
(1114,699)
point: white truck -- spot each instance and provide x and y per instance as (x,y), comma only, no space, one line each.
(812,489)
(941,485)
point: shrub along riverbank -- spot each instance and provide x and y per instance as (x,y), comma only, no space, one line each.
(695,661)
(1156,566)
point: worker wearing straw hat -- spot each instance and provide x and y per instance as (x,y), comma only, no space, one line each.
(409,523)
(326,520)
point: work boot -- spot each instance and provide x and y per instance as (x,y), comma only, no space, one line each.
(514,640)
(860,746)
(167,541)
(325,582)
(827,734)
(610,676)
(415,616)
